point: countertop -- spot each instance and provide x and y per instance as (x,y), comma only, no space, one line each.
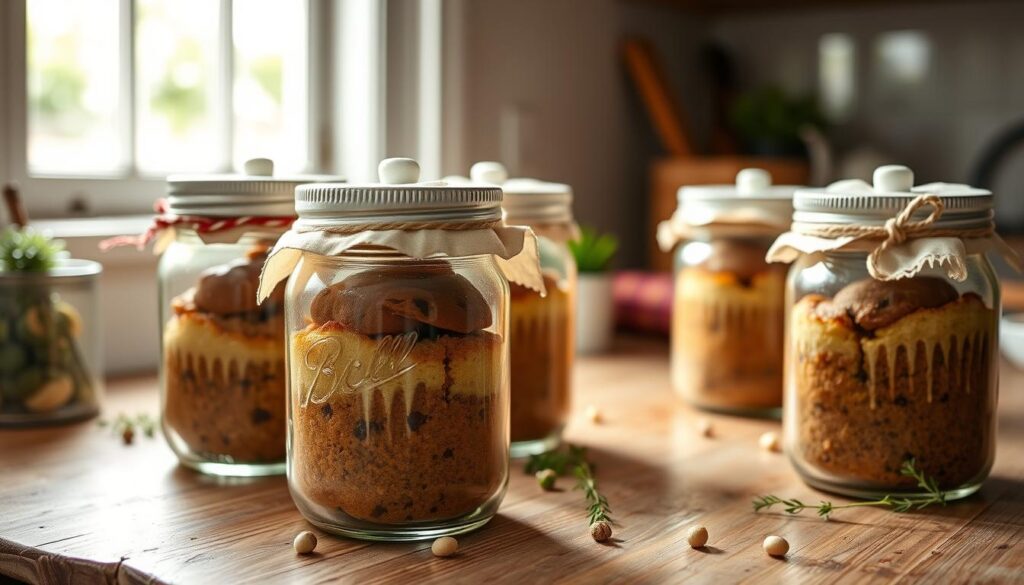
(78,505)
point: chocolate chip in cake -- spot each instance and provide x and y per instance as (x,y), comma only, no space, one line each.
(260,416)
(245,383)
(326,410)
(448,453)
(415,420)
(422,306)
(379,511)
(900,400)
(360,430)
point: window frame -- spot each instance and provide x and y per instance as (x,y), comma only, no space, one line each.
(130,191)
(404,72)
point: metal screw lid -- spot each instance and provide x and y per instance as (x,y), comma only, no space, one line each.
(526,200)
(753,190)
(398,197)
(257,192)
(856,202)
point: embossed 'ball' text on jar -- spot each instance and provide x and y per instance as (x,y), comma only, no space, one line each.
(397,333)
(892,340)
(222,374)
(541,327)
(727,310)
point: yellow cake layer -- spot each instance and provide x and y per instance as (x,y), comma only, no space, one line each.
(328,361)
(200,336)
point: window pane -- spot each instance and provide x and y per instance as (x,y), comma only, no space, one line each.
(836,75)
(270,86)
(176,85)
(73,90)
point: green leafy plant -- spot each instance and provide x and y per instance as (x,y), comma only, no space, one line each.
(593,251)
(27,250)
(768,121)
(574,459)
(896,504)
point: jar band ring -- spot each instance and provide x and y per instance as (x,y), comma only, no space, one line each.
(896,230)
(403,226)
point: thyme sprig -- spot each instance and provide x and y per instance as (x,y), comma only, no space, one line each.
(125,426)
(574,459)
(896,504)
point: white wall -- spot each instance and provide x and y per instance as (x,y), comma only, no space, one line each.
(545,92)
(974,85)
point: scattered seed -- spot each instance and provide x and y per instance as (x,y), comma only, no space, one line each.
(601,530)
(705,428)
(594,415)
(697,536)
(770,442)
(445,546)
(775,546)
(546,478)
(304,543)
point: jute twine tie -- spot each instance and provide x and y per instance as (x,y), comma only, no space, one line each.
(896,230)
(406,226)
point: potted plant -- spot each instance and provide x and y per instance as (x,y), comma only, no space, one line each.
(49,344)
(769,122)
(595,314)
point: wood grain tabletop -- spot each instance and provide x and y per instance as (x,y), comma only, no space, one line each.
(77,505)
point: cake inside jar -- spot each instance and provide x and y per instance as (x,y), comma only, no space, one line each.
(728,328)
(224,373)
(541,357)
(396,397)
(889,371)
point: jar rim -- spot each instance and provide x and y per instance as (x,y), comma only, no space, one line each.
(66,270)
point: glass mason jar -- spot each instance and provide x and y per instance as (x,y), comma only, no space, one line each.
(727,312)
(882,372)
(399,418)
(541,328)
(222,374)
(50,344)
(398,390)
(727,324)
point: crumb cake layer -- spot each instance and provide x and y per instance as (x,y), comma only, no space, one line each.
(727,338)
(893,374)
(397,429)
(540,333)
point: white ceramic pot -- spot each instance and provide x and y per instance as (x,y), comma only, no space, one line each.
(595,314)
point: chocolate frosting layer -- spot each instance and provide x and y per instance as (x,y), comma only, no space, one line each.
(402,299)
(872,304)
(231,288)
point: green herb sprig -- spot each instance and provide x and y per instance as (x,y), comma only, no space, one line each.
(28,250)
(935,496)
(574,459)
(126,425)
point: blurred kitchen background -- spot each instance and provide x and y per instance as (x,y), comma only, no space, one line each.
(625,100)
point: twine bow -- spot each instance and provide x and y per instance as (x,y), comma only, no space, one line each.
(896,230)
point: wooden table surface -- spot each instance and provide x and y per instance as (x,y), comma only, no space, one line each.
(75,501)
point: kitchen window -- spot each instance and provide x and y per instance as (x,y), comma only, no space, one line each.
(107,97)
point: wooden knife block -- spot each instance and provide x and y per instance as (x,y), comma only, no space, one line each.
(669,174)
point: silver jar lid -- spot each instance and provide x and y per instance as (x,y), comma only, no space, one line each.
(753,190)
(257,192)
(398,197)
(526,200)
(856,202)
